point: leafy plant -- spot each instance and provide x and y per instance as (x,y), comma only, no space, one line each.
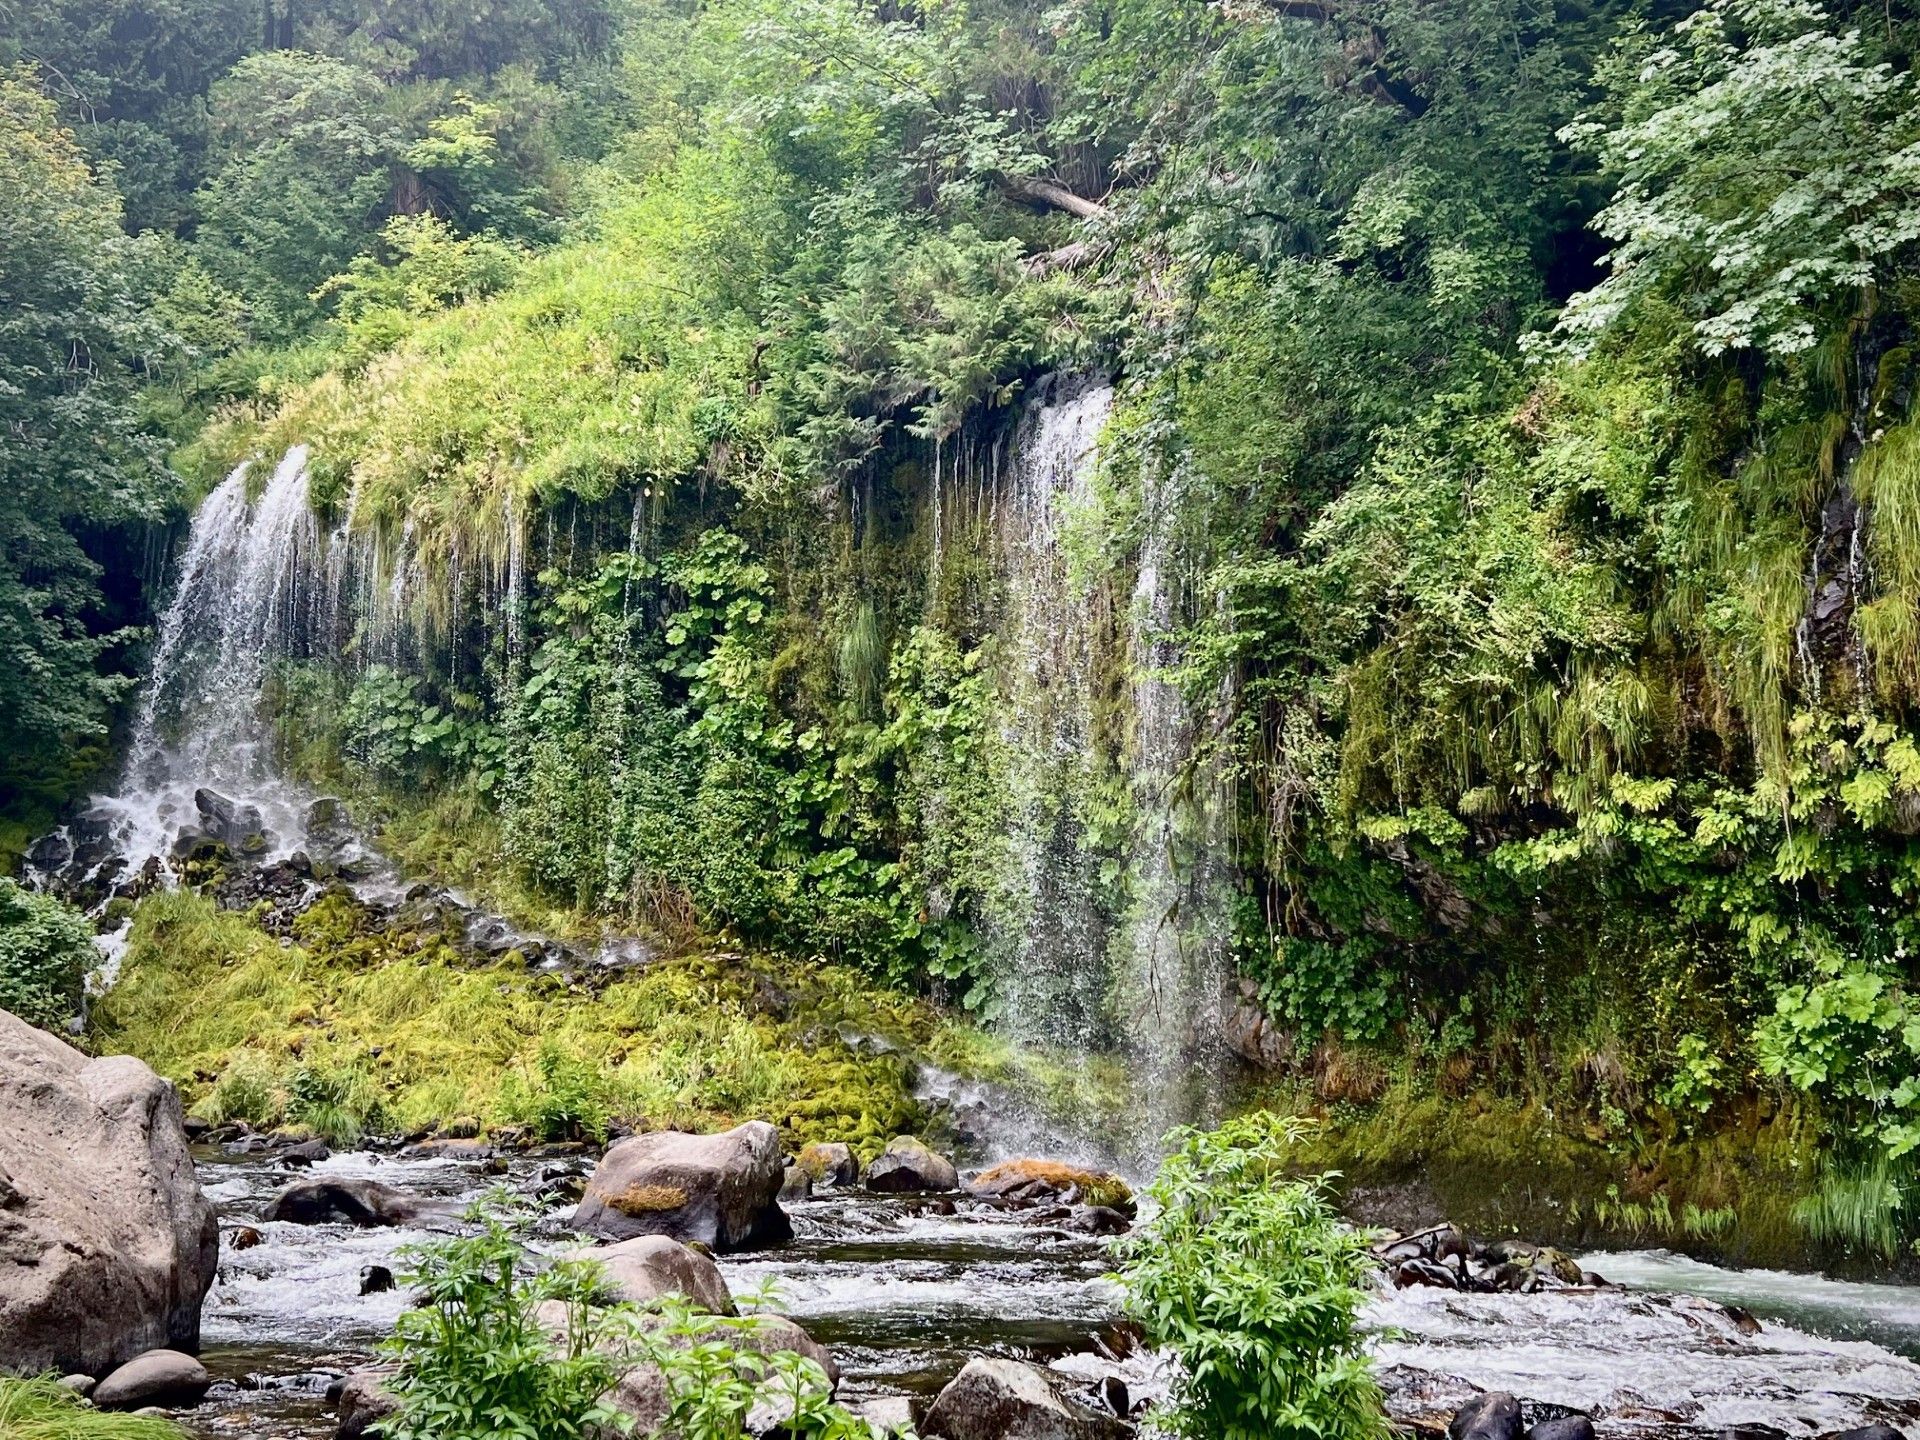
(46,950)
(1253,1283)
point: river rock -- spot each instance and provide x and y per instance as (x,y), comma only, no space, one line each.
(106,1241)
(159,1377)
(795,1185)
(829,1164)
(364,1399)
(1564,1427)
(1494,1415)
(235,825)
(908,1167)
(721,1190)
(992,1399)
(1868,1432)
(1043,1182)
(366,1203)
(643,1269)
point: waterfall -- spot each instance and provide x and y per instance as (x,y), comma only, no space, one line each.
(1050,935)
(253,587)
(1132,965)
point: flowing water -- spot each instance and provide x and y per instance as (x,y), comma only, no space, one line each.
(903,1295)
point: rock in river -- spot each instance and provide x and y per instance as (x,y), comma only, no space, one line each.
(908,1167)
(720,1190)
(830,1164)
(365,1203)
(106,1241)
(643,1269)
(159,1377)
(994,1399)
(1492,1416)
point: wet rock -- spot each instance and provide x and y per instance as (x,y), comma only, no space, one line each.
(1250,1033)
(448,1147)
(1096,1220)
(159,1377)
(305,1152)
(830,1164)
(1413,1272)
(908,1167)
(1034,1182)
(328,822)
(1113,1391)
(363,1401)
(1561,1266)
(993,1399)
(50,853)
(109,1245)
(236,825)
(1492,1416)
(721,1190)
(376,1280)
(643,1269)
(1513,1278)
(1743,1319)
(366,1203)
(795,1185)
(1564,1427)
(1867,1432)
(245,1238)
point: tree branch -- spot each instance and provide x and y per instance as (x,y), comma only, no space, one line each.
(1045,192)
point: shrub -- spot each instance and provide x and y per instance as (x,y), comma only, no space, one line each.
(1251,1280)
(497,1347)
(46,949)
(44,1410)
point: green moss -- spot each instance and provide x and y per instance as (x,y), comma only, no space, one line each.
(351,1028)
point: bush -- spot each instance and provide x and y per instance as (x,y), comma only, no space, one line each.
(1251,1280)
(486,1353)
(46,950)
(44,1410)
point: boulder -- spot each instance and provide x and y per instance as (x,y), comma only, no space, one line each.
(159,1377)
(1494,1415)
(832,1164)
(1250,1032)
(795,1185)
(908,1167)
(643,1269)
(721,1190)
(366,1203)
(363,1400)
(1036,1182)
(1564,1427)
(993,1399)
(1868,1432)
(375,1280)
(1424,1272)
(106,1241)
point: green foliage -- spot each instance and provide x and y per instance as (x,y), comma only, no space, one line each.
(46,950)
(73,461)
(476,1356)
(1767,159)
(44,1409)
(1252,1282)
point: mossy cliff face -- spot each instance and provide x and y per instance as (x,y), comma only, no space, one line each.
(344,1028)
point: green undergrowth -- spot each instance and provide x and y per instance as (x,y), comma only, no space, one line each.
(1741,1190)
(346,1030)
(42,1409)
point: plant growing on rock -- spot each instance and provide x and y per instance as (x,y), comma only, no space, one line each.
(1251,1281)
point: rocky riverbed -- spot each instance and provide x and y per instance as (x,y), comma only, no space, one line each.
(905,1289)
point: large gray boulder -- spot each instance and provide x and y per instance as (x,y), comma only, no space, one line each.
(159,1377)
(909,1167)
(643,1269)
(720,1190)
(107,1245)
(1005,1400)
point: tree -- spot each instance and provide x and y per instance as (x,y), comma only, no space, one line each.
(72,458)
